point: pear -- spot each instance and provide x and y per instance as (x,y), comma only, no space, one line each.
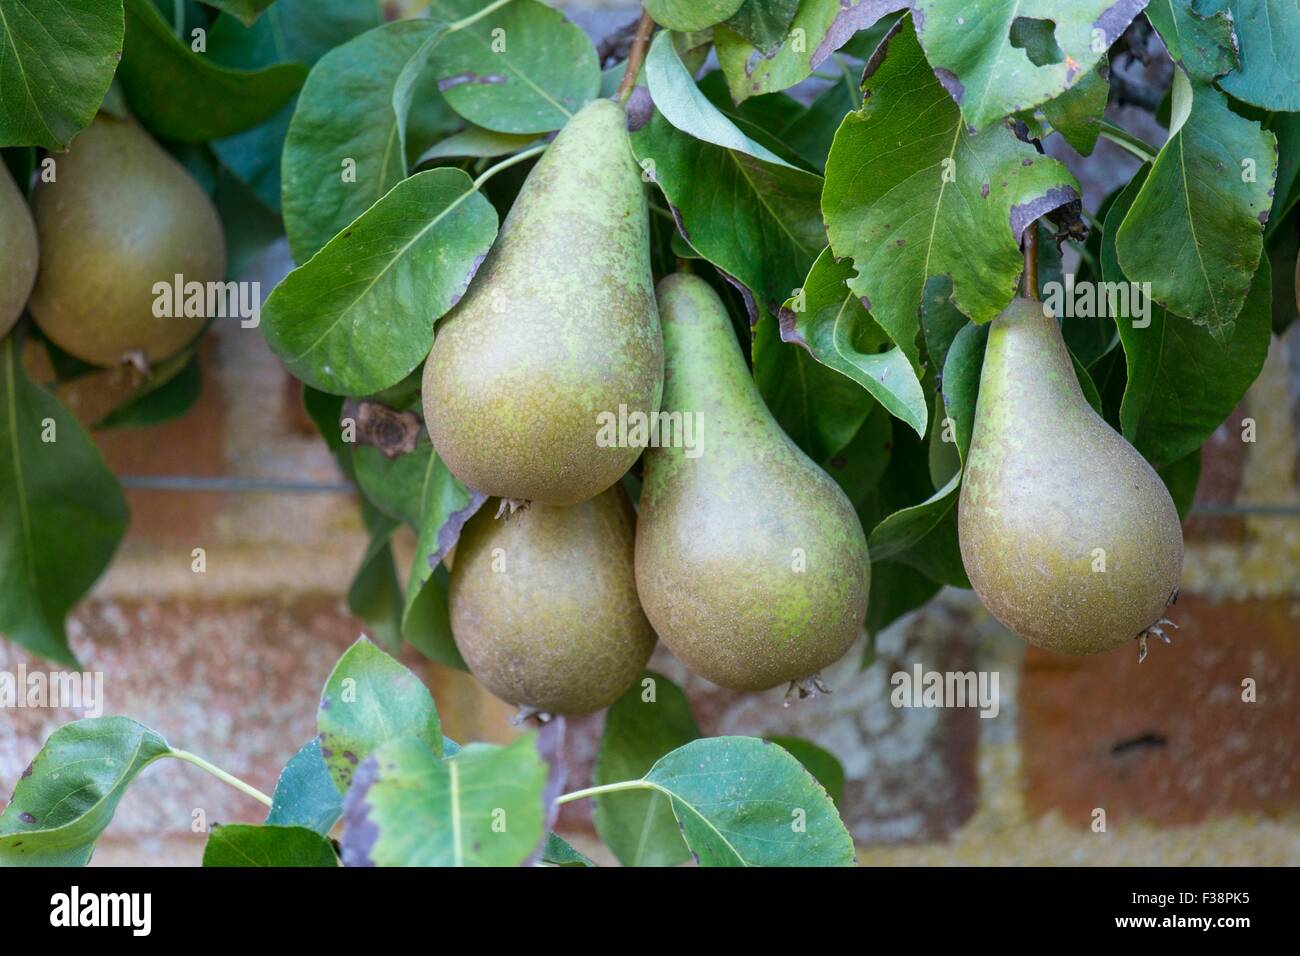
(543,604)
(120,216)
(1069,537)
(557,328)
(750,561)
(18,251)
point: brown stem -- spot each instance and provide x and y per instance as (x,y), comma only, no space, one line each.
(1030,289)
(644,28)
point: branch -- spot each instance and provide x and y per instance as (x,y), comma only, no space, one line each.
(644,28)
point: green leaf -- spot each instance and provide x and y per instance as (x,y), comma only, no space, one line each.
(905,529)
(831,323)
(896,589)
(1202,43)
(1181,478)
(375,595)
(246,10)
(66,798)
(345,123)
(248,844)
(819,762)
(62,512)
(185,96)
(1000,58)
(764,22)
(359,315)
(680,101)
(522,69)
(481,807)
(746,802)
(558,852)
(424,493)
(1195,205)
(688,15)
(1077,113)
(758,222)
(368,700)
(819,408)
(1268,34)
(55,69)
(1182,382)
(639,827)
(305,794)
(820,27)
(291,30)
(479,143)
(961,382)
(426,623)
(940,200)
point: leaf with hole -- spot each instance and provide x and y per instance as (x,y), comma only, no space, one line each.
(939,200)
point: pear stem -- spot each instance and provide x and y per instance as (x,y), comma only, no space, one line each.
(1031,261)
(506,163)
(636,56)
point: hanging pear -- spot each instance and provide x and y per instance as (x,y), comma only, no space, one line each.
(750,561)
(557,329)
(543,604)
(18,251)
(120,216)
(1069,537)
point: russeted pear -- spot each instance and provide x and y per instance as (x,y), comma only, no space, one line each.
(1069,537)
(18,252)
(120,216)
(544,607)
(557,328)
(750,561)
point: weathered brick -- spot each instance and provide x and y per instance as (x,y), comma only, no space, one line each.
(1170,740)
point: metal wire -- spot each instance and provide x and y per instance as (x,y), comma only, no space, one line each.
(275,486)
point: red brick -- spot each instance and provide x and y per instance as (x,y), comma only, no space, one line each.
(1169,740)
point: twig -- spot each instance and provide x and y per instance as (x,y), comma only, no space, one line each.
(644,28)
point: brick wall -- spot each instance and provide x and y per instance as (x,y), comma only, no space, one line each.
(229,663)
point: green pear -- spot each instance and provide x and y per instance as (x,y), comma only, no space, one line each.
(120,216)
(18,251)
(543,604)
(750,561)
(557,329)
(1069,537)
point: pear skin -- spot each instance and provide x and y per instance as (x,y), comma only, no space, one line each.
(1069,537)
(121,216)
(750,561)
(18,251)
(544,607)
(557,328)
